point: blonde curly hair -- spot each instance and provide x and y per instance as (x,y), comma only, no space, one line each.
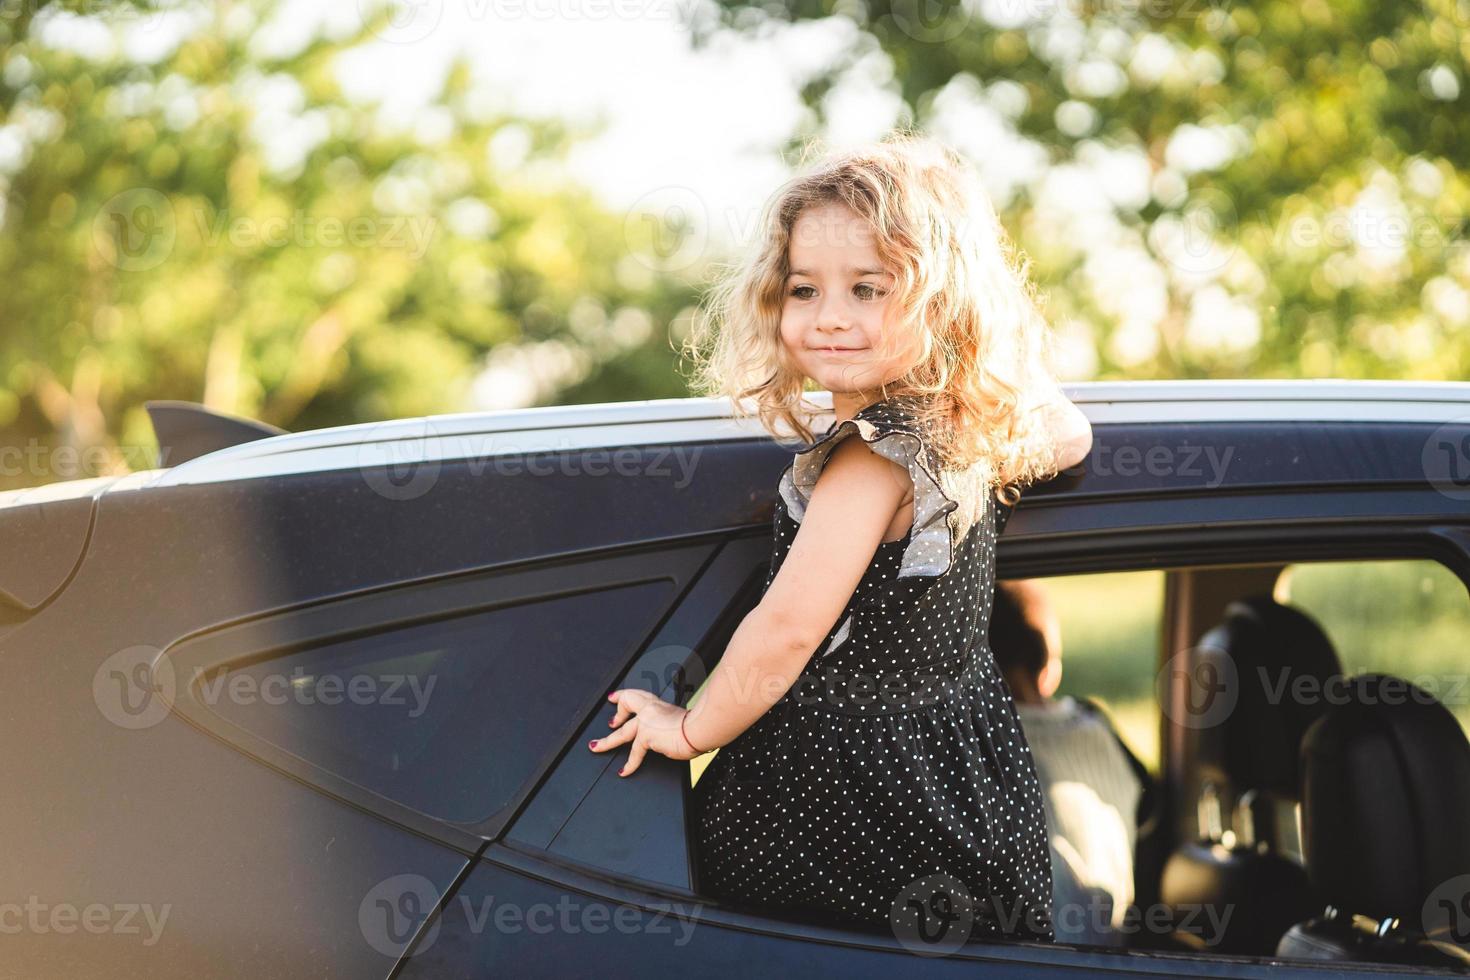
(961,285)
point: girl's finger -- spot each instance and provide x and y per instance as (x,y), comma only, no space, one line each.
(628,702)
(613,740)
(635,757)
(620,715)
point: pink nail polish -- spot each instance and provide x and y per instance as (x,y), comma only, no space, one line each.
(622,772)
(592,744)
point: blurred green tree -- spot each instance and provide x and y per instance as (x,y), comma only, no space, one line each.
(219,223)
(1273,189)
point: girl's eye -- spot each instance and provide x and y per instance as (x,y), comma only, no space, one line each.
(864,290)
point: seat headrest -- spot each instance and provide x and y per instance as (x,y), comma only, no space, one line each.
(1385,799)
(1264,894)
(1270,647)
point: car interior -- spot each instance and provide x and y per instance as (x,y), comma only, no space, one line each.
(1299,733)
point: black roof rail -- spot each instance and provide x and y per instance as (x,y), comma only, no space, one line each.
(187,430)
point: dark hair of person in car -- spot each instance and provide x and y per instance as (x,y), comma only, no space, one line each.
(1025,638)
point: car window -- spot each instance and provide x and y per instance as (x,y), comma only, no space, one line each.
(1408,618)
(1110,630)
(442,717)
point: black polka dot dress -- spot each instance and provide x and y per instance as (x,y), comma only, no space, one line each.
(893,780)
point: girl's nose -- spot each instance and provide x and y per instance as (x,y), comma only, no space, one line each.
(833,314)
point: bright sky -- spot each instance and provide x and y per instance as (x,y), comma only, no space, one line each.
(677,121)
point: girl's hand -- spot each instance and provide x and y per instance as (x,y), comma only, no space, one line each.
(649,722)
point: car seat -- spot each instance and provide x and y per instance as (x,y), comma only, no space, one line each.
(1246,859)
(1385,805)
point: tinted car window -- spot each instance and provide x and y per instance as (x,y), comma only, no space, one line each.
(442,717)
(1408,618)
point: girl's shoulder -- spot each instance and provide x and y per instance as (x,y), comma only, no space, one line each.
(947,502)
(891,430)
(892,427)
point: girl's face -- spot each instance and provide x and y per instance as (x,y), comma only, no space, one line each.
(836,313)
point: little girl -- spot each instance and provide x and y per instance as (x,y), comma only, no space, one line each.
(872,770)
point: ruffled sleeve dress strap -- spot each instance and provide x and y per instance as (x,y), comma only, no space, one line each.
(893,433)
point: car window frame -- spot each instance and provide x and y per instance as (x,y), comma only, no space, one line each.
(586,814)
(402,605)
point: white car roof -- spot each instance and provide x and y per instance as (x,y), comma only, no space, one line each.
(671,421)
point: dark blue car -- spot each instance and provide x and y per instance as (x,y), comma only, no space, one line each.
(316,704)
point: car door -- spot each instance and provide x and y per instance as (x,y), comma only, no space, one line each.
(599,871)
(231,755)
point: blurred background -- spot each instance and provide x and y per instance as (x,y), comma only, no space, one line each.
(314,214)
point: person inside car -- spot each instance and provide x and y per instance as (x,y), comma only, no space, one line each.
(1091,782)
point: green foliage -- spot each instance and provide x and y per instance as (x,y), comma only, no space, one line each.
(161,242)
(1406,618)
(1327,239)
(160,239)
(1110,626)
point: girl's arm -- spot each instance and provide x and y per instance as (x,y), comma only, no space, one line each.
(852,504)
(1071,432)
